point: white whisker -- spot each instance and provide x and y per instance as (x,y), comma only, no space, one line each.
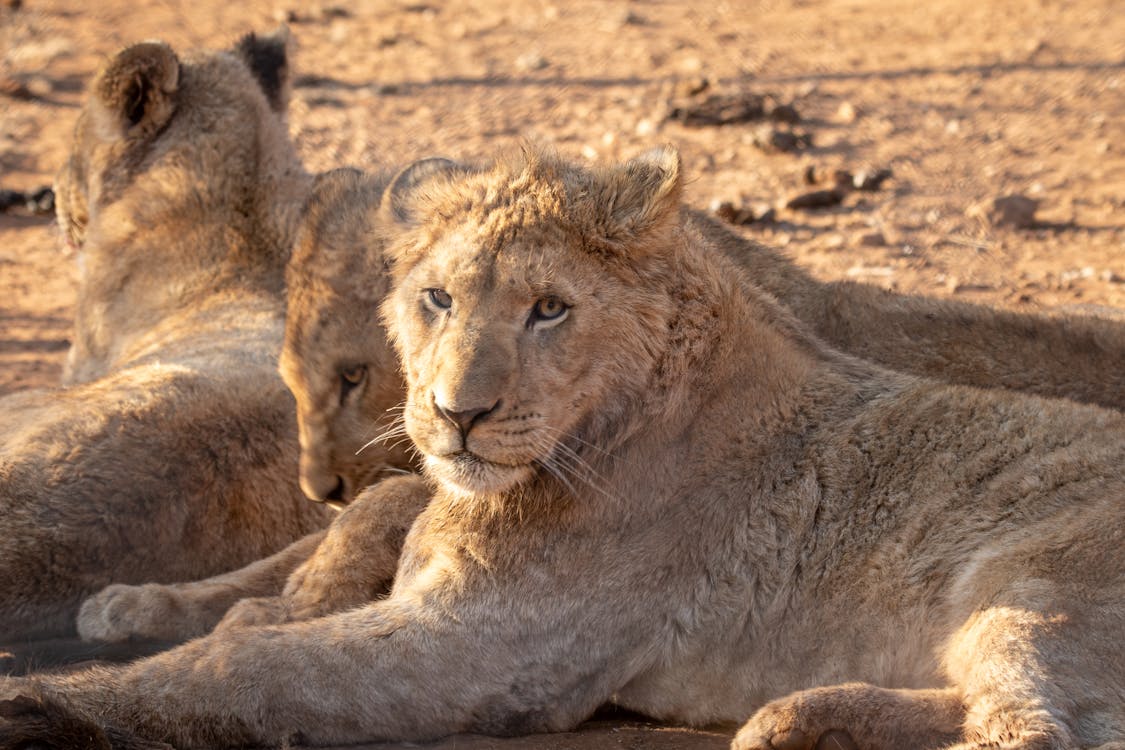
(564,463)
(397,429)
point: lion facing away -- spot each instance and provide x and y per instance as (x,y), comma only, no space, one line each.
(170,453)
(653,486)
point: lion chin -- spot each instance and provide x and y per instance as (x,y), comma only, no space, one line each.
(466,473)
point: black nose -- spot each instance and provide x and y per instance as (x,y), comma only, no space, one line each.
(337,492)
(465,419)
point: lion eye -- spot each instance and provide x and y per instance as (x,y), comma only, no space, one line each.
(350,378)
(439,299)
(549,308)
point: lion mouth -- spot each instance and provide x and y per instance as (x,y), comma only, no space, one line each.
(471,472)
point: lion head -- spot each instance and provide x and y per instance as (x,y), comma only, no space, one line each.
(336,358)
(529,309)
(148,108)
(181,181)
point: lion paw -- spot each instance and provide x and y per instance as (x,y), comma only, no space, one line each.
(261,610)
(786,725)
(120,612)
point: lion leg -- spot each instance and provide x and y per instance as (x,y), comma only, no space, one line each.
(393,669)
(1039,679)
(355,562)
(855,715)
(179,611)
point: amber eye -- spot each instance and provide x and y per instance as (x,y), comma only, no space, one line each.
(351,377)
(549,309)
(439,299)
(354,375)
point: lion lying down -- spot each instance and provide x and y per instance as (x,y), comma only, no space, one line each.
(170,454)
(653,486)
(349,404)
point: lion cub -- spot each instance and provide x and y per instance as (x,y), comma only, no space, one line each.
(170,454)
(654,486)
(348,394)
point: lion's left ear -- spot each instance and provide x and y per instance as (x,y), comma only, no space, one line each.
(401,202)
(639,196)
(135,93)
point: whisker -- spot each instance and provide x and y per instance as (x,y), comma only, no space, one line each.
(571,436)
(397,429)
(400,406)
(563,463)
(578,462)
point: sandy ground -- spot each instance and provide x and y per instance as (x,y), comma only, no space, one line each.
(963,101)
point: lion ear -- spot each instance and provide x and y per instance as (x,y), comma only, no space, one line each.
(135,94)
(329,194)
(403,196)
(267,56)
(636,197)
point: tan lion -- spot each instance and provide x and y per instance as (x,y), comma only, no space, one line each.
(654,487)
(170,455)
(343,374)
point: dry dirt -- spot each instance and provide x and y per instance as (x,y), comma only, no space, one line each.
(964,101)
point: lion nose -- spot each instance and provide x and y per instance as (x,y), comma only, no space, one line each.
(464,419)
(324,488)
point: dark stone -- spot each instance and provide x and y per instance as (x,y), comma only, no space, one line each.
(776,140)
(10,198)
(42,202)
(719,109)
(817,199)
(786,113)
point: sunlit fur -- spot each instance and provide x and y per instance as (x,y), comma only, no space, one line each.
(719,516)
(170,454)
(337,278)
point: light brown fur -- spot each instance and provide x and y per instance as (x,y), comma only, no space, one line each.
(338,277)
(350,433)
(677,499)
(169,454)
(1069,356)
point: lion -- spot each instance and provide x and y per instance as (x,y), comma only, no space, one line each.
(652,485)
(1080,357)
(348,392)
(169,454)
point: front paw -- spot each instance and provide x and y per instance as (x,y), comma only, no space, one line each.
(788,724)
(119,612)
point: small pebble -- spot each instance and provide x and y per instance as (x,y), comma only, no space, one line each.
(719,109)
(531,61)
(690,87)
(1016,211)
(846,112)
(775,140)
(10,198)
(816,199)
(41,202)
(870,180)
(786,113)
(873,239)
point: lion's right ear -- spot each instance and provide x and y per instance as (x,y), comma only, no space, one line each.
(406,190)
(135,94)
(267,56)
